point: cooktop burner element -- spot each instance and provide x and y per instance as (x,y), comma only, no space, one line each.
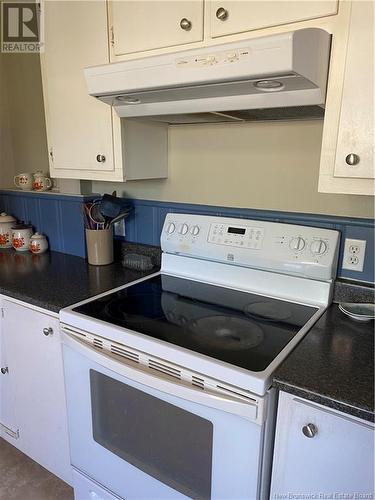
(223,332)
(211,320)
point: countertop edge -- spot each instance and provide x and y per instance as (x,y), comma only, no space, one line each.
(364,414)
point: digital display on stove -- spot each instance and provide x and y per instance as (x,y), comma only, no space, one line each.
(239,328)
(236,230)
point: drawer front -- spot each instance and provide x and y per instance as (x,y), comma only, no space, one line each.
(86,489)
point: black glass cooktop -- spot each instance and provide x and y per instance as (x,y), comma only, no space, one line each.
(239,328)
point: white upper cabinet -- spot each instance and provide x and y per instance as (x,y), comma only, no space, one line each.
(347,161)
(138,25)
(86,139)
(79,129)
(236,16)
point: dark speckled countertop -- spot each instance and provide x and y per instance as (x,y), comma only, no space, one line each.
(333,365)
(55,280)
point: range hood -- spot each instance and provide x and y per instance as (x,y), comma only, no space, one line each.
(274,77)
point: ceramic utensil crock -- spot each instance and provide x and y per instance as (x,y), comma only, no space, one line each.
(38,243)
(24,181)
(21,234)
(41,182)
(99,246)
(6,223)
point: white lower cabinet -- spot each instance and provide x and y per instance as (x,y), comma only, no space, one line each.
(33,407)
(320,451)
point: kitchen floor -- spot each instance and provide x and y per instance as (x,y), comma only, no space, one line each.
(24,479)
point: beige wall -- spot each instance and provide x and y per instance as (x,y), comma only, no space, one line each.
(23,116)
(6,152)
(270,166)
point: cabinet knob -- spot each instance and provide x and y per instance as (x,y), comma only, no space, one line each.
(4,370)
(185,24)
(352,159)
(309,430)
(222,14)
(100,158)
(48,331)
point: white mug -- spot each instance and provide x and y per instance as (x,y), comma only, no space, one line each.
(21,235)
(24,181)
(41,182)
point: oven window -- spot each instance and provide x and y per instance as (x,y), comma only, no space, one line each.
(163,440)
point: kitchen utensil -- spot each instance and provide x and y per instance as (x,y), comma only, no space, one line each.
(24,181)
(21,234)
(96,216)
(122,215)
(38,243)
(111,206)
(6,223)
(41,182)
(358,311)
(99,246)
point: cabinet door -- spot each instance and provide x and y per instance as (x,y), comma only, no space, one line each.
(337,459)
(140,25)
(79,128)
(8,427)
(34,358)
(356,126)
(235,16)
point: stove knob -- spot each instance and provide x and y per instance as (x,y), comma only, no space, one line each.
(195,230)
(171,227)
(297,244)
(184,229)
(318,247)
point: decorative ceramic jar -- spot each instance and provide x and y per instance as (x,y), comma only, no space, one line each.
(6,223)
(38,243)
(24,181)
(21,234)
(41,182)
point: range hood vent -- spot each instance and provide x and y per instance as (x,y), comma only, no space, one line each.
(282,76)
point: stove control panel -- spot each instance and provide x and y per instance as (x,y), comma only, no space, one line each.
(298,250)
(236,235)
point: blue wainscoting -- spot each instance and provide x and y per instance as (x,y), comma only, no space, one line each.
(146,221)
(57,216)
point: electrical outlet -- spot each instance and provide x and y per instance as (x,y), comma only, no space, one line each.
(354,254)
(120,228)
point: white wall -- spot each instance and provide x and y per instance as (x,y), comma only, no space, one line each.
(268,165)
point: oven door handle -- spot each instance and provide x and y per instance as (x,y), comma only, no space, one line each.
(250,409)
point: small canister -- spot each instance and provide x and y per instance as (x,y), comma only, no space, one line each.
(38,243)
(6,223)
(21,234)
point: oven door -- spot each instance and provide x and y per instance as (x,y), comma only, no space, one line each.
(146,436)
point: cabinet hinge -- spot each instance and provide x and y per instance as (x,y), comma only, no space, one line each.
(51,154)
(112,36)
(2,312)
(39,7)
(13,434)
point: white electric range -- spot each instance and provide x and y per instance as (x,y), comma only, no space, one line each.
(168,378)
